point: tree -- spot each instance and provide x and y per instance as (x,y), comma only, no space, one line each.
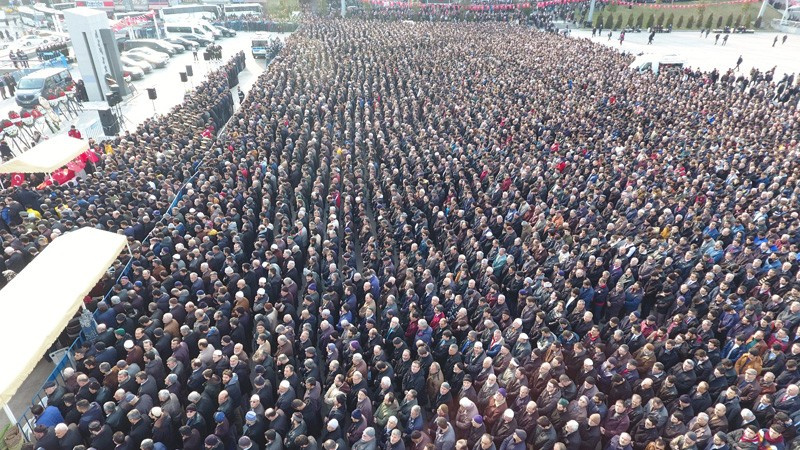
(680,22)
(690,22)
(618,24)
(719,22)
(640,20)
(598,22)
(650,20)
(629,23)
(710,21)
(738,21)
(749,21)
(610,21)
(660,20)
(671,19)
(729,20)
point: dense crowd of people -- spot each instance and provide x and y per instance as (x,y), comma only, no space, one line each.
(439,236)
(256,23)
(541,18)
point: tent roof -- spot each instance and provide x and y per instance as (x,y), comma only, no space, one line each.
(47,156)
(40,301)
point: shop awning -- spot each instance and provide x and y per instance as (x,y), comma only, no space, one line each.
(39,302)
(47,156)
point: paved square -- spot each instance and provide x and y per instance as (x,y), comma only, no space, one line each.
(756,49)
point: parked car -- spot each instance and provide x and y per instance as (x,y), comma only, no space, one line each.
(151,52)
(156,61)
(201,41)
(128,61)
(177,47)
(153,44)
(136,73)
(226,32)
(185,43)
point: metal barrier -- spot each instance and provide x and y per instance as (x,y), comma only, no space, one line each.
(27,421)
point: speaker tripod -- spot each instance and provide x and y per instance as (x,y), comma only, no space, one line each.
(152,95)
(121,119)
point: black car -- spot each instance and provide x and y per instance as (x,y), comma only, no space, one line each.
(200,40)
(226,32)
(186,43)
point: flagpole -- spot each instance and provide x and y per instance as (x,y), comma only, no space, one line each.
(155,24)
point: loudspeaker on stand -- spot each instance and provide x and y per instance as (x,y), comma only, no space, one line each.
(109,122)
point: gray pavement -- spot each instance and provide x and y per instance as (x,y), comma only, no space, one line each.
(756,49)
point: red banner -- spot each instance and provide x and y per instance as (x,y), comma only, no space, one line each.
(126,22)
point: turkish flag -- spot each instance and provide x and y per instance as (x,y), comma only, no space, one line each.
(63,175)
(76,165)
(17,179)
(89,155)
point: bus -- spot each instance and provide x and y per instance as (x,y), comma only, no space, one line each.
(122,15)
(54,17)
(243,9)
(183,13)
(62,6)
(32,17)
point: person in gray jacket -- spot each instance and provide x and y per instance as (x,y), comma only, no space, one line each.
(367,441)
(445,435)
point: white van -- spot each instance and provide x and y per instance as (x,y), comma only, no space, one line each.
(656,63)
(195,31)
(194,21)
(208,27)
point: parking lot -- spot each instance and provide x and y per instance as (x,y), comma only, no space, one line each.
(167,82)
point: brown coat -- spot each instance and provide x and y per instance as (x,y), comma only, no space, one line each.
(747,361)
(493,412)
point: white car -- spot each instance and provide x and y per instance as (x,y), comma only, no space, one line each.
(53,35)
(150,52)
(134,72)
(144,65)
(144,57)
(39,39)
(157,59)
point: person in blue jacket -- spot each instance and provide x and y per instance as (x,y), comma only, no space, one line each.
(48,416)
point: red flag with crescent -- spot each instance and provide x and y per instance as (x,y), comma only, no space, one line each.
(17,179)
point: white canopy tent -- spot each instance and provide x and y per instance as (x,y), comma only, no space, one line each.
(47,156)
(40,301)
